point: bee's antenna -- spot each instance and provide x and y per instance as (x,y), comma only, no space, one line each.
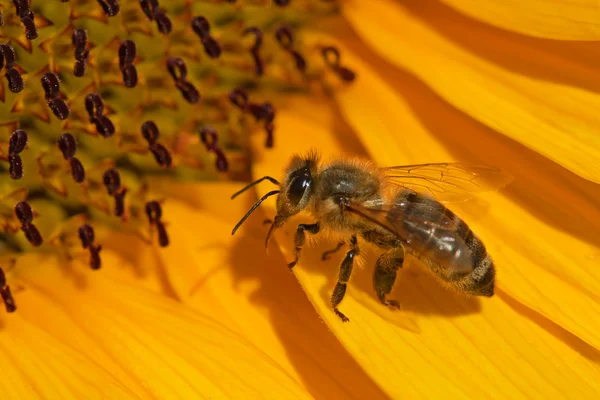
(271,193)
(256,182)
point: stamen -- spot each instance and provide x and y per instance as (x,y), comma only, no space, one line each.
(120,202)
(209,136)
(262,112)
(178,71)
(154,213)
(26,16)
(95,108)
(201,26)
(150,8)
(254,50)
(127,53)
(286,39)
(15,168)
(110,7)
(9,301)
(25,216)
(68,146)
(7,56)
(51,86)
(112,181)
(282,3)
(160,152)
(331,55)
(86,235)
(18,141)
(150,131)
(15,81)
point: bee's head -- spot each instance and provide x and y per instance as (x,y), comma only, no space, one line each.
(295,192)
(297,187)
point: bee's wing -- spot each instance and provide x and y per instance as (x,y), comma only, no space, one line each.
(448,182)
(422,225)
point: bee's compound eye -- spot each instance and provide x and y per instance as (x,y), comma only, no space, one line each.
(301,181)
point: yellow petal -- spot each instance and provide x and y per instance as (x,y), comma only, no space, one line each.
(440,345)
(232,279)
(553,19)
(524,225)
(547,115)
(163,346)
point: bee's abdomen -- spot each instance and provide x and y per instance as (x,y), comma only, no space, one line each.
(455,254)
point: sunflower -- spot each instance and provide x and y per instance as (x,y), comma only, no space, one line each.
(126,126)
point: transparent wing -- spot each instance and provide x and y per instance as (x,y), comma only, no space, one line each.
(423,226)
(448,182)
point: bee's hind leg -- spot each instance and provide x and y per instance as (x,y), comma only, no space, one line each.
(385,275)
(300,238)
(344,277)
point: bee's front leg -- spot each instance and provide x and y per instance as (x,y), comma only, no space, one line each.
(344,277)
(300,238)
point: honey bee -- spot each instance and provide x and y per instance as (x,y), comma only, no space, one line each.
(398,209)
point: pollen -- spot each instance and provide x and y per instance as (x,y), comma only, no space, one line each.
(99,99)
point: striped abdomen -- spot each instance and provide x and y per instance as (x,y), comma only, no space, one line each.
(444,242)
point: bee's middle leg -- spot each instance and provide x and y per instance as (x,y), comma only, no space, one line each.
(344,277)
(385,275)
(300,238)
(325,255)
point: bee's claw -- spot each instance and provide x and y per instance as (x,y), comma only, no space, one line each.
(393,304)
(341,315)
(292,264)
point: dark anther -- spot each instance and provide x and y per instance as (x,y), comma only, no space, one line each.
(77,170)
(32,234)
(79,68)
(130,77)
(1,19)
(189,92)
(86,234)
(15,81)
(163,23)
(22,7)
(18,141)
(25,216)
(254,50)
(23,212)
(127,53)
(269,127)
(209,137)
(221,162)
(285,37)
(9,301)
(15,168)
(26,16)
(2,278)
(79,40)
(67,145)
(150,131)
(239,97)
(120,202)
(153,211)
(51,86)
(7,56)
(110,7)
(31,31)
(59,108)
(331,55)
(94,105)
(112,181)
(282,3)
(95,108)
(161,154)
(149,8)
(201,26)
(177,68)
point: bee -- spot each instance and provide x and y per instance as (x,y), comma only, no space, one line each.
(398,209)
